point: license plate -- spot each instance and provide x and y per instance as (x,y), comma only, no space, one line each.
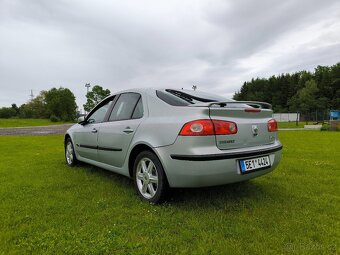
(253,164)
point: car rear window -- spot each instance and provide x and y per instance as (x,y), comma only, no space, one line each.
(181,98)
(171,99)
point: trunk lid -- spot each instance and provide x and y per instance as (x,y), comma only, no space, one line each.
(252,126)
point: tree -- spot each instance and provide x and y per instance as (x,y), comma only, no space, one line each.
(61,103)
(25,111)
(7,112)
(57,102)
(94,96)
(306,97)
(287,91)
(35,108)
(15,108)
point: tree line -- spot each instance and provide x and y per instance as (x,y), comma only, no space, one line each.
(54,104)
(302,91)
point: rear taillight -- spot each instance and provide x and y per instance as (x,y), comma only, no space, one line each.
(198,128)
(224,127)
(272,125)
(208,127)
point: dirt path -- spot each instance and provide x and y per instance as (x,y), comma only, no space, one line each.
(39,130)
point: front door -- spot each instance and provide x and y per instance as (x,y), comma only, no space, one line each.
(86,141)
(86,137)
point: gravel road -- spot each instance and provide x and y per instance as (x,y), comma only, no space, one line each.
(39,130)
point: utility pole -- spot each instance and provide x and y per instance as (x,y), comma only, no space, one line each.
(87,85)
(31,95)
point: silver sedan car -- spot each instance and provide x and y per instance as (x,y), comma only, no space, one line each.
(167,138)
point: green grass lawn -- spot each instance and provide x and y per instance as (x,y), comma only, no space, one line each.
(49,208)
(291,124)
(4,123)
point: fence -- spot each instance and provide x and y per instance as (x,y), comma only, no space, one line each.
(317,116)
(286,117)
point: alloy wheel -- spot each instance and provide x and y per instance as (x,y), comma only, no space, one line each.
(147,178)
(69,153)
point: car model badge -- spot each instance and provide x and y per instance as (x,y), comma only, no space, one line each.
(255,130)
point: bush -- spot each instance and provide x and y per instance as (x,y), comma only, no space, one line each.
(325,127)
(54,118)
(7,112)
(65,117)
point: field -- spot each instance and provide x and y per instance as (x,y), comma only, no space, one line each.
(5,123)
(49,208)
(291,124)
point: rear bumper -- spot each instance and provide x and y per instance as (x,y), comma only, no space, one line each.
(229,155)
(200,170)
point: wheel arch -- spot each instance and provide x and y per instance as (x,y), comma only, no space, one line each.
(134,153)
(66,137)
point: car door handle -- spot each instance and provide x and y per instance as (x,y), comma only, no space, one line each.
(94,130)
(128,130)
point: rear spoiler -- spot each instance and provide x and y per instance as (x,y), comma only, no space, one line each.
(256,104)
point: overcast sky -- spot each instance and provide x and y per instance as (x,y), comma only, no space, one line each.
(214,44)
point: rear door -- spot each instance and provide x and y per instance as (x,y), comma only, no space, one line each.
(116,134)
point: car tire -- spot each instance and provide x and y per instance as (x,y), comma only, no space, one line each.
(70,156)
(149,178)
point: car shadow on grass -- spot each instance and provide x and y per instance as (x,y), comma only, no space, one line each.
(239,194)
(118,179)
(236,194)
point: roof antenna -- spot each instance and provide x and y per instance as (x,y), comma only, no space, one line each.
(194,87)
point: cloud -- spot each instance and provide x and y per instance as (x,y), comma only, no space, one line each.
(216,45)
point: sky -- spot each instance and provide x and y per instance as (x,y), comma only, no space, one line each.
(213,44)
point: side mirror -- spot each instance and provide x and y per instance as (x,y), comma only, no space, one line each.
(81,120)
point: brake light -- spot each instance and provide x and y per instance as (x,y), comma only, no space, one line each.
(208,127)
(272,125)
(252,110)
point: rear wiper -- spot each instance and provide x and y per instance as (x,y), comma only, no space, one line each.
(180,95)
(189,98)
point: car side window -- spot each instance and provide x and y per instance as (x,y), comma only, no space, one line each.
(124,107)
(99,115)
(138,112)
